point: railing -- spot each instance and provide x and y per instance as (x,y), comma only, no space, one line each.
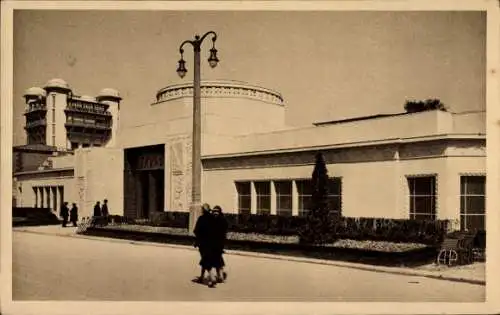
(35,107)
(36,123)
(88,125)
(87,107)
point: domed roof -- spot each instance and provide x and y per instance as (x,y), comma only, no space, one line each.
(109,92)
(35,91)
(87,98)
(57,83)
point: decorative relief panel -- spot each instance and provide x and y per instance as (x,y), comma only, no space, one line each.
(177,179)
(188,169)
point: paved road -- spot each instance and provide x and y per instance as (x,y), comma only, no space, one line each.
(47,267)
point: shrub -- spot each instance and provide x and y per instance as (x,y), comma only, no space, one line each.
(170,219)
(264,224)
(317,228)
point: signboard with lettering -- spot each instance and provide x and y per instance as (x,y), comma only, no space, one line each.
(150,162)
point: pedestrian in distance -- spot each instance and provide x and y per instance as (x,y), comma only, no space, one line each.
(73,215)
(219,235)
(64,213)
(204,244)
(105,210)
(97,209)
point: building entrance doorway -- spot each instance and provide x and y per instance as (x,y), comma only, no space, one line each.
(144,181)
(152,194)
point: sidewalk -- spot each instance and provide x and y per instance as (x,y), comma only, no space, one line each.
(474,274)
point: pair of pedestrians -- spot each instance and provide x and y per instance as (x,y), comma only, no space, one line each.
(66,214)
(101,211)
(210,232)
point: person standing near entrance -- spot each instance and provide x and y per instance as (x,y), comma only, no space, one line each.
(73,215)
(64,213)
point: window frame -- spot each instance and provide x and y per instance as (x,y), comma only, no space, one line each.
(284,211)
(463,195)
(240,196)
(413,195)
(261,197)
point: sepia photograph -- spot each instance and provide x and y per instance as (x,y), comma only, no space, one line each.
(257,155)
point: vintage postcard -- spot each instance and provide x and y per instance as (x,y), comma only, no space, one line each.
(298,157)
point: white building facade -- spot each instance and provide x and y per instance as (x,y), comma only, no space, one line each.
(425,165)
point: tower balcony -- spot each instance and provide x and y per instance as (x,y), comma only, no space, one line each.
(80,106)
(34,124)
(87,125)
(32,108)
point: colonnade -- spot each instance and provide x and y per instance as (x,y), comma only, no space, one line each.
(51,197)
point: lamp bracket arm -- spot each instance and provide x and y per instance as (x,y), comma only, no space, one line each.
(181,49)
(214,38)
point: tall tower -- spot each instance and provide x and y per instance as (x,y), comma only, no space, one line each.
(112,98)
(57,98)
(35,113)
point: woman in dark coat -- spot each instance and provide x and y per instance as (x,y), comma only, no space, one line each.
(97,209)
(219,239)
(64,214)
(204,243)
(73,214)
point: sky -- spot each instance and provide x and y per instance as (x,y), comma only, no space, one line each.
(327,64)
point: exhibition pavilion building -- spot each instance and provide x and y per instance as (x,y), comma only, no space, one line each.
(423,165)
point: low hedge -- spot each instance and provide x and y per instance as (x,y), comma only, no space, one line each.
(374,229)
(26,216)
(264,224)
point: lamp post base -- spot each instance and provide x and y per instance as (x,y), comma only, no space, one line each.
(194,214)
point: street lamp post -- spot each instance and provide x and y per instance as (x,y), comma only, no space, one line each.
(195,206)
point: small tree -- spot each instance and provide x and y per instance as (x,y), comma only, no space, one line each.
(316,229)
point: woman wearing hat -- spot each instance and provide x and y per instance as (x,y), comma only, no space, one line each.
(204,242)
(219,239)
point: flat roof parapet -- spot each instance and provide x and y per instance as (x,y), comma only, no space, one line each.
(221,88)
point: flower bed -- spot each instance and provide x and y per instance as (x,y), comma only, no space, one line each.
(381,246)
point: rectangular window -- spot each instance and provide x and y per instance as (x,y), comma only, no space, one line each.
(263,191)
(304,191)
(335,195)
(244,197)
(472,203)
(422,191)
(283,198)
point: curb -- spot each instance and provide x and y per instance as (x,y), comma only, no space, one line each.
(389,270)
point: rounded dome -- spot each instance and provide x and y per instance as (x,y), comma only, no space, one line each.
(35,91)
(109,92)
(57,83)
(87,98)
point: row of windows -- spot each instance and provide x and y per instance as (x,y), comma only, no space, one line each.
(421,191)
(423,199)
(284,195)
